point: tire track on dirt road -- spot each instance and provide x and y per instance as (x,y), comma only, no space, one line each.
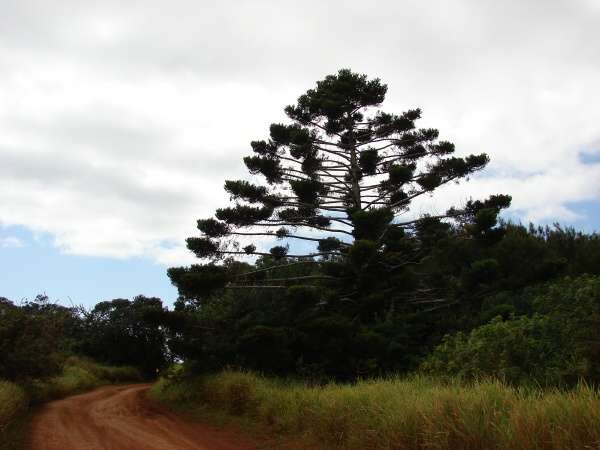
(120,418)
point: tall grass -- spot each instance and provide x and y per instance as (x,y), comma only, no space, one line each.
(13,402)
(413,413)
(13,405)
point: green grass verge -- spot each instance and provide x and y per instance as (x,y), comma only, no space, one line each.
(413,413)
(78,375)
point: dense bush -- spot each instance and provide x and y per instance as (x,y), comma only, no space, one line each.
(124,332)
(519,350)
(29,340)
(557,345)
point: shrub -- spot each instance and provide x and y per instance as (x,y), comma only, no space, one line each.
(520,350)
(557,345)
(28,343)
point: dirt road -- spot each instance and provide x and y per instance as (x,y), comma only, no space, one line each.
(120,418)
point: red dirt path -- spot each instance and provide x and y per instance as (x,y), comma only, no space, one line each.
(120,418)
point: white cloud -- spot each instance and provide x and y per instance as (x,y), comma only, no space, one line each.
(120,121)
(11,242)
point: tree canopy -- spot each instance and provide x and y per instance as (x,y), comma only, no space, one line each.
(341,177)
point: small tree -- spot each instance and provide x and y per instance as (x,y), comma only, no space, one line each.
(340,176)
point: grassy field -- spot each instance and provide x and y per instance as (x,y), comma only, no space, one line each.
(414,413)
(78,375)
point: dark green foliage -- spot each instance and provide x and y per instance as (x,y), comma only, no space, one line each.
(385,123)
(329,244)
(249,249)
(495,202)
(520,351)
(414,152)
(459,167)
(443,148)
(246,191)
(362,252)
(557,344)
(302,297)
(31,339)
(124,332)
(483,271)
(320,331)
(212,227)
(303,215)
(294,215)
(263,148)
(368,160)
(311,164)
(38,338)
(574,306)
(430,181)
(308,191)
(202,247)
(372,223)
(198,281)
(398,199)
(400,174)
(278,252)
(318,221)
(265,165)
(243,214)
(298,139)
(336,96)
(282,233)
(269,348)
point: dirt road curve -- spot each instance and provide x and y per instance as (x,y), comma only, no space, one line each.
(119,418)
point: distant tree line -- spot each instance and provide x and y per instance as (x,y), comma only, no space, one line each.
(525,307)
(505,290)
(37,336)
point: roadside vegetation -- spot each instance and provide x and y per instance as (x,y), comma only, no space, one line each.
(77,375)
(397,413)
(45,351)
(13,408)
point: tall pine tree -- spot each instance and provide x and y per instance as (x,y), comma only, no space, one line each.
(340,176)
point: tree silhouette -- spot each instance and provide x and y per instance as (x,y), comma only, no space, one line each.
(340,176)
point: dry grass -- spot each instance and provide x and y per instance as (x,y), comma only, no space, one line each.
(414,413)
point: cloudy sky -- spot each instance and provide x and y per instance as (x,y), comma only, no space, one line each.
(119,121)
